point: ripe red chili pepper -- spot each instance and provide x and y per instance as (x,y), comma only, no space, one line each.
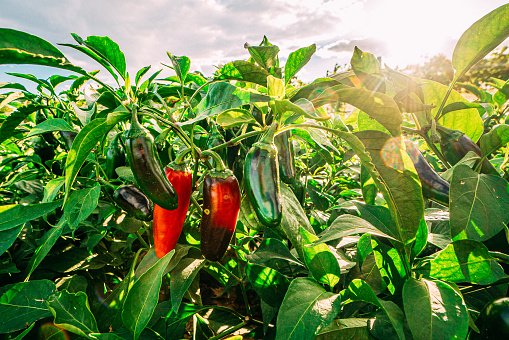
(221,206)
(168,223)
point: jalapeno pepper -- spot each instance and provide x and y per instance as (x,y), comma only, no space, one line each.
(221,206)
(168,223)
(115,157)
(434,187)
(455,144)
(261,179)
(286,157)
(146,166)
(134,202)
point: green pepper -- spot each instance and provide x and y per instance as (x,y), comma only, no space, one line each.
(115,157)
(134,202)
(48,136)
(44,150)
(434,187)
(286,157)
(455,144)
(146,167)
(261,178)
(493,322)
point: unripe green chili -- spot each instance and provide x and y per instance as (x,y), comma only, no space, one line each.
(286,157)
(134,202)
(146,167)
(261,179)
(115,157)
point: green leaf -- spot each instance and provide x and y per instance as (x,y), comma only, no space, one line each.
(243,71)
(379,216)
(434,310)
(265,55)
(235,117)
(321,88)
(270,249)
(364,122)
(294,218)
(320,261)
(464,106)
(47,242)
(301,107)
(421,239)
(368,187)
(390,264)
(52,188)
(396,178)
(479,204)
(377,105)
(9,125)
(360,291)
(466,261)
(84,115)
(181,278)
(15,215)
(268,283)
(297,60)
(57,124)
(467,120)
(479,39)
(306,309)
(348,225)
(18,47)
(72,312)
(364,62)
(223,96)
(80,205)
(142,298)
(352,328)
(109,50)
(85,142)
(7,237)
(495,139)
(181,66)
(24,303)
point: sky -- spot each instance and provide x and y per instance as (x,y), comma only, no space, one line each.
(213,32)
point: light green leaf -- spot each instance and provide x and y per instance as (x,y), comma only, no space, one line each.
(9,125)
(86,140)
(109,50)
(57,124)
(84,115)
(320,261)
(434,310)
(495,139)
(479,204)
(24,303)
(52,188)
(466,261)
(306,309)
(297,60)
(142,298)
(235,117)
(181,278)
(243,71)
(181,66)
(479,39)
(268,283)
(72,312)
(14,215)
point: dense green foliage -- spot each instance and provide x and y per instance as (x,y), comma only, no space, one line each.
(344,240)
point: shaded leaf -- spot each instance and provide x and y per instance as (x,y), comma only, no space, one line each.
(80,205)
(243,71)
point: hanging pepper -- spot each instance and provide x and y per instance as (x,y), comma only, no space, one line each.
(261,178)
(434,187)
(286,157)
(134,202)
(115,157)
(168,223)
(146,166)
(221,206)
(455,144)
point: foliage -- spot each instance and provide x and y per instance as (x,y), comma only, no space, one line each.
(359,252)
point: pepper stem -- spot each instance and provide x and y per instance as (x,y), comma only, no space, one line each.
(269,136)
(217,159)
(180,158)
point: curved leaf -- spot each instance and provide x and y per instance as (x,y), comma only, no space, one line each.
(243,71)
(50,125)
(495,139)
(297,60)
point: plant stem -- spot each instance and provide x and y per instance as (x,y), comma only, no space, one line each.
(231,330)
(220,265)
(236,140)
(143,242)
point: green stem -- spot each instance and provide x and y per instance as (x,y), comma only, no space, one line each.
(143,242)
(243,289)
(168,112)
(217,159)
(197,205)
(231,330)
(220,265)
(236,140)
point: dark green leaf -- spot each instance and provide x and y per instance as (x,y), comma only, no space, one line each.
(24,303)
(352,328)
(269,284)
(297,60)
(466,261)
(142,298)
(80,205)
(306,309)
(479,39)
(181,278)
(52,188)
(434,310)
(270,249)
(72,312)
(7,237)
(109,50)
(223,96)
(479,204)
(9,125)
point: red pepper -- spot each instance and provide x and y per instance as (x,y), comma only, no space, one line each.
(168,223)
(221,206)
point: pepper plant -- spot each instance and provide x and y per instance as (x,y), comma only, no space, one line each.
(247,204)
